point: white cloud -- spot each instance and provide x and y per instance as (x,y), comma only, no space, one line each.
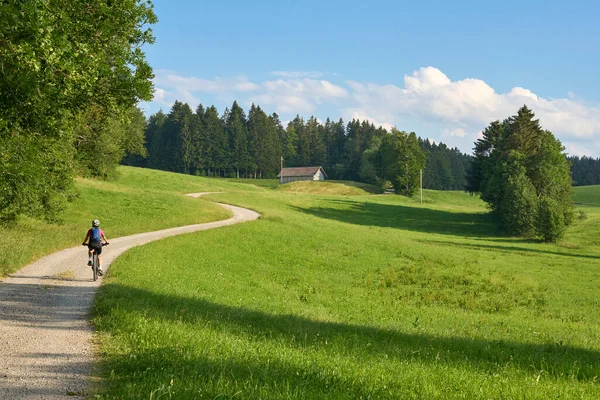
(427,101)
(159,94)
(316,89)
(171,79)
(245,86)
(284,103)
(298,74)
(285,95)
(298,95)
(429,94)
(357,113)
(167,98)
(170,86)
(582,149)
(457,132)
(182,87)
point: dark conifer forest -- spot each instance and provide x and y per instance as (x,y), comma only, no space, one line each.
(235,144)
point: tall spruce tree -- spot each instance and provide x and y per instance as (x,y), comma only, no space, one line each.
(290,146)
(217,146)
(303,152)
(482,162)
(276,143)
(315,133)
(237,132)
(353,150)
(266,147)
(198,141)
(177,139)
(585,170)
(521,171)
(153,134)
(256,128)
(336,140)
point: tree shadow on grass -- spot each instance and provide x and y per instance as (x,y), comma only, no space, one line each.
(417,219)
(331,340)
(512,249)
(225,377)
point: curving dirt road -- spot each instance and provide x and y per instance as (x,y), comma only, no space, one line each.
(45,334)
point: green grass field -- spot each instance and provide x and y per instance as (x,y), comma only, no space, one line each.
(337,296)
(135,202)
(587,195)
(341,188)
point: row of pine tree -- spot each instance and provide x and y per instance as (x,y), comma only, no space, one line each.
(585,170)
(238,145)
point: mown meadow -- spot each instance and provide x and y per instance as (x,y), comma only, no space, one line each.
(587,196)
(128,205)
(350,296)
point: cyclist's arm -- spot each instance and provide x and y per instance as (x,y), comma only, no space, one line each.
(104,237)
(86,236)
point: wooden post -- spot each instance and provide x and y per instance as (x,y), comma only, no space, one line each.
(280,171)
(407,190)
(421,179)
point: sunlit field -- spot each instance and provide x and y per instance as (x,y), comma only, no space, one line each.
(133,203)
(340,296)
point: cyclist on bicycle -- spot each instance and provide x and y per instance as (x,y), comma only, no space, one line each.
(96,236)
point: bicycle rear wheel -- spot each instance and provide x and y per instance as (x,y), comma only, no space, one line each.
(95,265)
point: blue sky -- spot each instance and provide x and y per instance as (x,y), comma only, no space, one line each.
(442,69)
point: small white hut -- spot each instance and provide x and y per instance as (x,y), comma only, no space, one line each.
(301,174)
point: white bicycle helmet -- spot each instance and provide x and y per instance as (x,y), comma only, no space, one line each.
(95,223)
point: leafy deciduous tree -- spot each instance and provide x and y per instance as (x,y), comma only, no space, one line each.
(59,59)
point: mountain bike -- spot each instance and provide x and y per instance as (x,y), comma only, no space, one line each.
(95,261)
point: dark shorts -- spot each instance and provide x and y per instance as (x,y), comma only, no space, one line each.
(96,246)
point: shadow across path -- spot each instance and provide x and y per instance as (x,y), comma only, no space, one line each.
(63,306)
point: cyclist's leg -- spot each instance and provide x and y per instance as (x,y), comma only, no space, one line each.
(99,252)
(90,254)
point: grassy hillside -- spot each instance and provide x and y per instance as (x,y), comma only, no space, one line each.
(587,195)
(342,188)
(265,183)
(352,297)
(138,201)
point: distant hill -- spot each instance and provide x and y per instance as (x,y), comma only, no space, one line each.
(344,188)
(587,195)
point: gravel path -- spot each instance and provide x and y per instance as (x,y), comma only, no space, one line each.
(46,349)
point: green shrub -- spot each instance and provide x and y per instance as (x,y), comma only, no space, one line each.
(518,206)
(551,220)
